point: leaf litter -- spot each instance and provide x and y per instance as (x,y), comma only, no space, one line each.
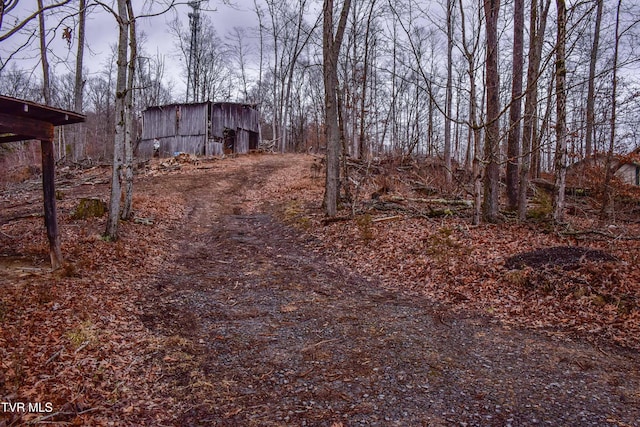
(233,304)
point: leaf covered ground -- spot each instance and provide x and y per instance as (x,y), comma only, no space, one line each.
(229,300)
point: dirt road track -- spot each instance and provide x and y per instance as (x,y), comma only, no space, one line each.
(265,330)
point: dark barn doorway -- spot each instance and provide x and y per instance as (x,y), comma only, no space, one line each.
(229,141)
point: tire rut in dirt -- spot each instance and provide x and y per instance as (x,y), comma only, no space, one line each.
(274,323)
(272,333)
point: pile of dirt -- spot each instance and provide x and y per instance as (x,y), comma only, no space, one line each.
(557,256)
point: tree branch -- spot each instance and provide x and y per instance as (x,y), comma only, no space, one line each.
(34,15)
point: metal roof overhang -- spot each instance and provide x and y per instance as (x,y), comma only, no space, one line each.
(23,120)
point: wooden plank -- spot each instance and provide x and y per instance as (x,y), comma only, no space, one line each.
(29,128)
(49,189)
(23,108)
(10,137)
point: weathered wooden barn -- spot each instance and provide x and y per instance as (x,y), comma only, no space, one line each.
(202,129)
(629,172)
(625,167)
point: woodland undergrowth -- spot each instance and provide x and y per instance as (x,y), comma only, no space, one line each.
(74,337)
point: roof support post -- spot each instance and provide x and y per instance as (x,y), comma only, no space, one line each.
(49,191)
(22,120)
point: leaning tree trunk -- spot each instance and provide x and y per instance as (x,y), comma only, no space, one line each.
(79,82)
(127,207)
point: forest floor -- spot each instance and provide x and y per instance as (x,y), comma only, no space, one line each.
(229,301)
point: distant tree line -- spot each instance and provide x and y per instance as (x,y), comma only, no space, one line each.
(504,91)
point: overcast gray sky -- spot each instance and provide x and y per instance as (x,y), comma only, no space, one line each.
(102,33)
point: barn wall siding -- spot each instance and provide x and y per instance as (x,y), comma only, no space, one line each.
(226,115)
(158,123)
(629,173)
(214,148)
(242,141)
(186,128)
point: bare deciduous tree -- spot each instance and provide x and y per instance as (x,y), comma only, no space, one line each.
(44,60)
(127,207)
(591,91)
(607,193)
(492,127)
(449,90)
(7,6)
(111,231)
(513,139)
(79,77)
(538,21)
(470,47)
(331,43)
(561,115)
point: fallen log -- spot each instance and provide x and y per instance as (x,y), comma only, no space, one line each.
(549,187)
(331,220)
(453,202)
(386,218)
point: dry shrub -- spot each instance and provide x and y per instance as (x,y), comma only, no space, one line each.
(19,173)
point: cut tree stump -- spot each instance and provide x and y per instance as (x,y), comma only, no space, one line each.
(89,208)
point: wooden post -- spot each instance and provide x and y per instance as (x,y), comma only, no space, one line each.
(23,120)
(49,191)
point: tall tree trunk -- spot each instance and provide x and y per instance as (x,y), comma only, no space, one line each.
(449,92)
(298,47)
(362,146)
(513,139)
(591,91)
(607,191)
(111,231)
(542,130)
(78,89)
(46,84)
(277,105)
(561,116)
(476,168)
(127,207)
(330,51)
(474,128)
(492,128)
(536,38)
(261,54)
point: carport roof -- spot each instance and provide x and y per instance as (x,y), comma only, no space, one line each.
(18,116)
